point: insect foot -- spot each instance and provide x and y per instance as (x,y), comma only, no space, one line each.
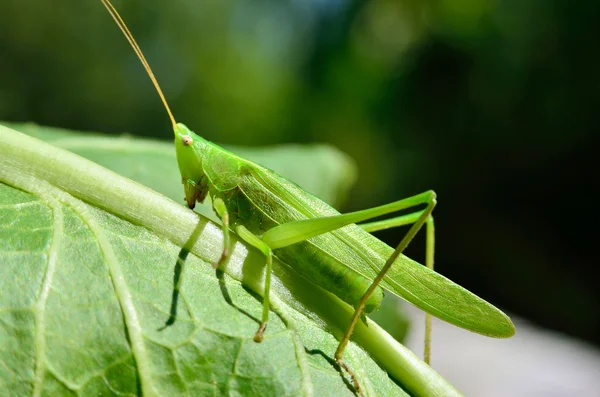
(258,337)
(222,259)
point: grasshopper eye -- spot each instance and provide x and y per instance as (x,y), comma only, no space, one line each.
(186,140)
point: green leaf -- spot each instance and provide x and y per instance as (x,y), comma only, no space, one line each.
(86,279)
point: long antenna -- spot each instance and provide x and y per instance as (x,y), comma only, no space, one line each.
(121,24)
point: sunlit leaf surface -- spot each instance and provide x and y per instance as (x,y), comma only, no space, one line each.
(85,294)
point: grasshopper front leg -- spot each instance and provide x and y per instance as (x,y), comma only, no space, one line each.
(221,210)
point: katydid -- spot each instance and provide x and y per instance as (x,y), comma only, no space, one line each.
(279,218)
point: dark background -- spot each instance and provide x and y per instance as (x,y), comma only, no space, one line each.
(494,104)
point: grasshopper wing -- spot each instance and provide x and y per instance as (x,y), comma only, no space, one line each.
(352,247)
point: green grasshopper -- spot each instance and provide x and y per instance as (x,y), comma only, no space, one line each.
(279,218)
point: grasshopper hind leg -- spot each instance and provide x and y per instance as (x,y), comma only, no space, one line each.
(429,260)
(405,220)
(418,220)
(290,233)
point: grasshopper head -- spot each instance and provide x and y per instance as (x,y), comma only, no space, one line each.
(190,148)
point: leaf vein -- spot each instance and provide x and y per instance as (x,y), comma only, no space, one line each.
(131,320)
(307,389)
(40,305)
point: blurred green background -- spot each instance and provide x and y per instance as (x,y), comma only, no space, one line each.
(494,104)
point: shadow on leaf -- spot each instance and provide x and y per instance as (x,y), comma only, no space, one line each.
(335,365)
(178,271)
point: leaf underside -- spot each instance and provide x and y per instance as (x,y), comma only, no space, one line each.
(63,328)
(84,295)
